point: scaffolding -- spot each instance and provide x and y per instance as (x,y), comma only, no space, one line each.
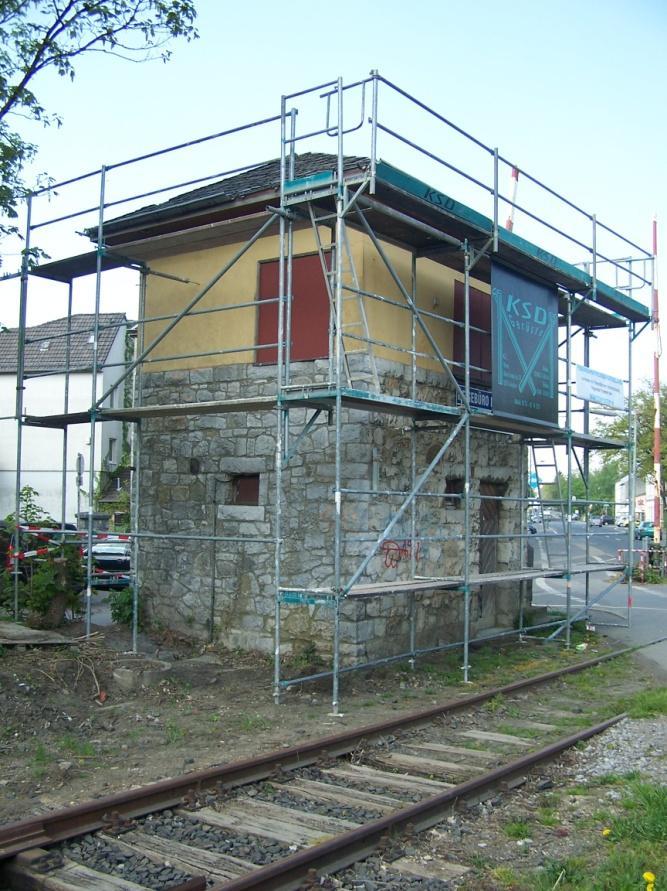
(355,193)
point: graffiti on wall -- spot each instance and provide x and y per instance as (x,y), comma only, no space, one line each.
(396,551)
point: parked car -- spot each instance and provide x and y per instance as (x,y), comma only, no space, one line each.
(596,521)
(623,520)
(644,530)
(607,520)
(111,564)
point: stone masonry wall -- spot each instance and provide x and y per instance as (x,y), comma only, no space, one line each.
(187,471)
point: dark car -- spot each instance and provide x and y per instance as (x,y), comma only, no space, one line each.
(644,530)
(607,520)
(111,564)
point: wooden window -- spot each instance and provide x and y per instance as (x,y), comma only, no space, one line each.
(455,485)
(480,341)
(310,311)
(245,489)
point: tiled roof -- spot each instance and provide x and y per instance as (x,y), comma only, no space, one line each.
(48,349)
(262,178)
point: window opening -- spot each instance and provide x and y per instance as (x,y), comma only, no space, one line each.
(310,310)
(454,485)
(245,489)
(480,341)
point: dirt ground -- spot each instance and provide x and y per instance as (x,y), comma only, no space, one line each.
(84,720)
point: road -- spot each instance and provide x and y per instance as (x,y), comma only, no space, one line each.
(646,619)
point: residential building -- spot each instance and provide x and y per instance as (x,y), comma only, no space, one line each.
(56,364)
(644,497)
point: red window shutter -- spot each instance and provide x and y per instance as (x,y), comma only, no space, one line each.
(310,311)
(480,343)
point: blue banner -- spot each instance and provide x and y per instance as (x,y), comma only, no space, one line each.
(524,345)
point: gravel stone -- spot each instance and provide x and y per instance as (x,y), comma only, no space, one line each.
(629,746)
(252,848)
(104,857)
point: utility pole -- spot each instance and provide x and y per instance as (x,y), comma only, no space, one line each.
(655,326)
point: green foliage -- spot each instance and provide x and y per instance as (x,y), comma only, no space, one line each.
(518,829)
(30,511)
(646,815)
(547,817)
(70,745)
(56,579)
(59,574)
(39,35)
(618,429)
(120,604)
(646,704)
(174,733)
(600,487)
(651,575)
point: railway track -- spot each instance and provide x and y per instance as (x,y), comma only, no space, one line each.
(282,820)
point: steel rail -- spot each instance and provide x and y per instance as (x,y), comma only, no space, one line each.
(356,844)
(47,829)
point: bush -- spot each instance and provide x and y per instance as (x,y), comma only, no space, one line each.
(49,587)
(120,604)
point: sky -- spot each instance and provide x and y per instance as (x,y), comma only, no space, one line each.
(572,92)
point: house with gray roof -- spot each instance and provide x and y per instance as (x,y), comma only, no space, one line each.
(58,367)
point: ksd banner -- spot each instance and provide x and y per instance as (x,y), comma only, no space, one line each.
(524,347)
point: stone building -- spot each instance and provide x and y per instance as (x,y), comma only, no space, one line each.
(212,470)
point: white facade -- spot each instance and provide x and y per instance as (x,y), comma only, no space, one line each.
(42,448)
(644,497)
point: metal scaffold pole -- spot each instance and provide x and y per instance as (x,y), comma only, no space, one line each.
(657,423)
(136,383)
(280,412)
(338,304)
(20,388)
(63,493)
(568,433)
(413,464)
(467,530)
(586,466)
(632,472)
(93,402)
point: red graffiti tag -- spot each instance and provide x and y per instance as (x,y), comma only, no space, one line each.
(395,551)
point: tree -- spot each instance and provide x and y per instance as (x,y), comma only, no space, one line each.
(36,35)
(644,409)
(600,488)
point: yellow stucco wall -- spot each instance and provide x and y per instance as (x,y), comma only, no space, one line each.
(228,337)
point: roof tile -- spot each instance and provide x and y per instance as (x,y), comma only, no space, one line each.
(46,344)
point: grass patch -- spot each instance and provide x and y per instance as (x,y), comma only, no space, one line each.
(502,664)
(646,704)
(635,842)
(546,816)
(526,732)
(495,704)
(517,829)
(40,762)
(504,877)
(40,756)
(646,817)
(252,723)
(479,861)
(73,746)
(570,873)
(589,682)
(174,733)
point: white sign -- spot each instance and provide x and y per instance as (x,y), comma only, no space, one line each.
(598,387)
